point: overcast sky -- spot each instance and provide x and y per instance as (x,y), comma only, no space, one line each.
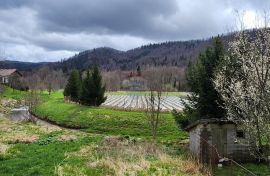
(49,30)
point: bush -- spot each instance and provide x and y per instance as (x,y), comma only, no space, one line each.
(181,119)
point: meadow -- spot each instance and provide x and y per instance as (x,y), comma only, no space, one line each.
(27,149)
(105,120)
(106,142)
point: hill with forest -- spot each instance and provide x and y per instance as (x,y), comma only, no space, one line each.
(172,53)
(23,66)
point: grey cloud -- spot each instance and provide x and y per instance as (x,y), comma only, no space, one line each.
(69,26)
(150,19)
(102,17)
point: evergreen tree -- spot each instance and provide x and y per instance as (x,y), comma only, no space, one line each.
(92,89)
(174,83)
(73,87)
(139,72)
(205,101)
(87,90)
(99,89)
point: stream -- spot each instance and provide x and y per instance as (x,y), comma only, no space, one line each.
(22,114)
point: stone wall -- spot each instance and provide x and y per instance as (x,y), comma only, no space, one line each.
(194,141)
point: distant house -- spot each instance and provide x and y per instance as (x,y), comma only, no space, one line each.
(134,83)
(213,139)
(8,75)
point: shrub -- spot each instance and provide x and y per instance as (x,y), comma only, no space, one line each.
(181,119)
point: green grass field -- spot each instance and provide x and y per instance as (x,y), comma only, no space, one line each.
(13,94)
(28,149)
(111,142)
(46,151)
(106,121)
(260,170)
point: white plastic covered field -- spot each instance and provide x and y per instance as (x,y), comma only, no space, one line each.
(138,102)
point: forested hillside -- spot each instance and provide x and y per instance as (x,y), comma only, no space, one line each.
(23,66)
(164,54)
(172,53)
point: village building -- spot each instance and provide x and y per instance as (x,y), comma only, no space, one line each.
(8,75)
(210,140)
(134,82)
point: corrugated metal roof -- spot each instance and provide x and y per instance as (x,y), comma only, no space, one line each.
(7,72)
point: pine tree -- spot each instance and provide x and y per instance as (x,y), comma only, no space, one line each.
(199,77)
(205,101)
(87,90)
(174,83)
(139,72)
(99,89)
(73,87)
(92,89)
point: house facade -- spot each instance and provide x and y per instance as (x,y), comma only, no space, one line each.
(214,139)
(9,75)
(135,83)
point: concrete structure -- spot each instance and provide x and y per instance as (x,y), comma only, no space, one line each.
(7,75)
(213,139)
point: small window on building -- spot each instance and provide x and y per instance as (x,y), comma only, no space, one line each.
(6,80)
(240,134)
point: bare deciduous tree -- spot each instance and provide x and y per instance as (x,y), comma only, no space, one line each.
(154,104)
(112,79)
(32,100)
(45,79)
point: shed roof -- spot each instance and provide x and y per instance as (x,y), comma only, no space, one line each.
(209,121)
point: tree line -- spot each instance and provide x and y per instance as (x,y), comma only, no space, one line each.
(88,90)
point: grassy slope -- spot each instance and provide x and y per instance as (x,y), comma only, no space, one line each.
(27,149)
(32,158)
(13,94)
(106,121)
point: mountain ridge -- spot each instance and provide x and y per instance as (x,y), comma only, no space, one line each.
(170,53)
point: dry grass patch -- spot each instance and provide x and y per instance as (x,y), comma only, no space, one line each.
(17,136)
(3,148)
(23,138)
(180,164)
(5,124)
(17,132)
(67,170)
(67,137)
(128,157)
(49,129)
(72,135)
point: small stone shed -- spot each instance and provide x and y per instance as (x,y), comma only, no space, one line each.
(213,139)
